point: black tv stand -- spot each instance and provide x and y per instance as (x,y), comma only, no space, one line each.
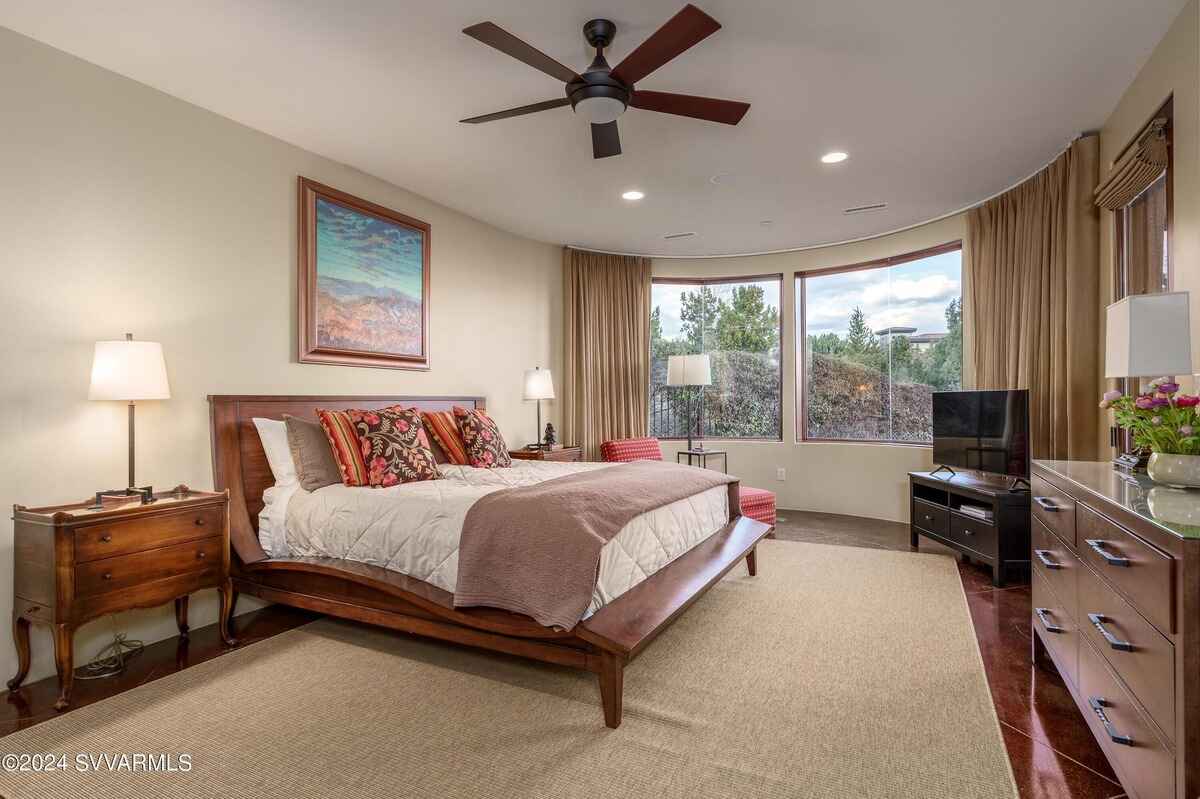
(1000,538)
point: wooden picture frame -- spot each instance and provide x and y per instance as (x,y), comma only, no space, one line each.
(323,308)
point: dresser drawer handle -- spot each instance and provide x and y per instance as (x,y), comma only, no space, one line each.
(106,538)
(1097,620)
(199,521)
(1044,556)
(1047,504)
(1050,627)
(1098,704)
(107,575)
(1097,545)
(201,555)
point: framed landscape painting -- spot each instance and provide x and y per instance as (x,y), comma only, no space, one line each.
(363,282)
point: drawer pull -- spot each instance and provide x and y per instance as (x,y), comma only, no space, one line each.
(107,575)
(106,538)
(199,521)
(1098,703)
(1097,545)
(1044,556)
(201,555)
(1050,627)
(1047,504)
(1097,620)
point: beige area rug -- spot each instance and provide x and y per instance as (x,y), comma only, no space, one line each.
(837,672)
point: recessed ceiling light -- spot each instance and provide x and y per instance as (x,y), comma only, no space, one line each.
(767,222)
(632,194)
(833,158)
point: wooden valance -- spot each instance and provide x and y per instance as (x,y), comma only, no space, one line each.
(1140,166)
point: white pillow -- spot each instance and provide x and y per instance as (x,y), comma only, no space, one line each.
(273,434)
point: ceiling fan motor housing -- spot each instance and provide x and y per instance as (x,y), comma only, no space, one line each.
(603,97)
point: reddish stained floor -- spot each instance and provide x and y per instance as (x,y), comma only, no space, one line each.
(1050,746)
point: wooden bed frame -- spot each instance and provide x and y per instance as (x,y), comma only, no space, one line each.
(602,644)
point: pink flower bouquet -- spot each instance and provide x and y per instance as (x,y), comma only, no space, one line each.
(1162,420)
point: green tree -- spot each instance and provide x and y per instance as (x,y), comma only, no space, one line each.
(746,323)
(826,344)
(698,314)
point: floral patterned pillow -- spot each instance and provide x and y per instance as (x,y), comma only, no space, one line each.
(484,444)
(394,446)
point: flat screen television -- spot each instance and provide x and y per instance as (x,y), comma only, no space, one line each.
(987,431)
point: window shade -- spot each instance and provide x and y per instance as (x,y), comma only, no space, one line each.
(1133,173)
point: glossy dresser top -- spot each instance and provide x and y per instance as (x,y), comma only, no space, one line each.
(1173,510)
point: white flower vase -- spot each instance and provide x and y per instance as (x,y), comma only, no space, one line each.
(1179,471)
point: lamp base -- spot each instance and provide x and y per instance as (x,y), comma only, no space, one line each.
(146,493)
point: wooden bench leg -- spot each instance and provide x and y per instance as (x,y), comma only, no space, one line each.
(752,561)
(612,687)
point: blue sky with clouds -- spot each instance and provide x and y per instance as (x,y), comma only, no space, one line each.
(667,297)
(914,294)
(366,249)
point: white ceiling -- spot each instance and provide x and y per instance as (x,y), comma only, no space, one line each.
(940,103)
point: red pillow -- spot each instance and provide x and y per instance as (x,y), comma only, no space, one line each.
(347,451)
(444,429)
(394,446)
(482,439)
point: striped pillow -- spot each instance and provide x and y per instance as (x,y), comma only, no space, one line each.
(347,448)
(444,429)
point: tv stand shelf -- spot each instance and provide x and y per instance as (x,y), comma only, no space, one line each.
(936,510)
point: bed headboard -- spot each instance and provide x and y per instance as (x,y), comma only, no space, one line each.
(240,464)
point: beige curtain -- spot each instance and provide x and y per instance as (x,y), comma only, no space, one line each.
(1146,227)
(606,347)
(1034,289)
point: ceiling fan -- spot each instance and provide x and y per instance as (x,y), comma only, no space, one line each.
(602,93)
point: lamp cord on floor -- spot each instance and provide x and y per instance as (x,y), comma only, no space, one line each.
(110,661)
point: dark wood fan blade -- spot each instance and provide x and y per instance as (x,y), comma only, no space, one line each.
(730,112)
(533,108)
(493,35)
(680,32)
(605,140)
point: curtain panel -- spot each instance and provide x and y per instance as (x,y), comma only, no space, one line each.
(606,348)
(1034,289)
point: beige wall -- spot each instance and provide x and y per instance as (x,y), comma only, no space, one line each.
(860,479)
(124,209)
(1173,69)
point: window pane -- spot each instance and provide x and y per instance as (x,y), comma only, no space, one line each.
(737,324)
(878,343)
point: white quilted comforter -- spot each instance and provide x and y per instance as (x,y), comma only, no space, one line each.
(414,528)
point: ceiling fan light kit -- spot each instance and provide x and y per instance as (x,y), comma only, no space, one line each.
(602,93)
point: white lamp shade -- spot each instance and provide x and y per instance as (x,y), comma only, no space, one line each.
(1148,335)
(689,370)
(539,385)
(129,370)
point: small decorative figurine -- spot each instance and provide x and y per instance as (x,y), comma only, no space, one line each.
(550,439)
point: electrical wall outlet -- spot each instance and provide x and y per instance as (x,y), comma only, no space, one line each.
(781,474)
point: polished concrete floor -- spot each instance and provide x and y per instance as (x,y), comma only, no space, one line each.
(1051,749)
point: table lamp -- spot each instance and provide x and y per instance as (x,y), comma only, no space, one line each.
(690,370)
(539,385)
(129,371)
(1147,335)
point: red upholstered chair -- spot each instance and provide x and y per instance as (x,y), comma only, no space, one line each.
(757,503)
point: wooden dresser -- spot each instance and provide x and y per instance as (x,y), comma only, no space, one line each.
(561,454)
(73,563)
(1116,607)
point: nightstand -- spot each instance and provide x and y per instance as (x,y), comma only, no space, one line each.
(72,564)
(563,454)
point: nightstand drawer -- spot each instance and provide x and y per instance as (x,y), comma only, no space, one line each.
(111,574)
(123,536)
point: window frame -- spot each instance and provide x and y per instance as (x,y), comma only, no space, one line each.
(801,409)
(1120,279)
(718,281)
